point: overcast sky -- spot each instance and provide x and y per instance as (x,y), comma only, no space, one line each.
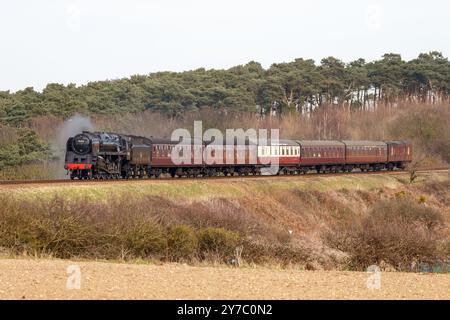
(77,41)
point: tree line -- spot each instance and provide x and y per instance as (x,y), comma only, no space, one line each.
(300,86)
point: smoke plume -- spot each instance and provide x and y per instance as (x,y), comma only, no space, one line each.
(72,126)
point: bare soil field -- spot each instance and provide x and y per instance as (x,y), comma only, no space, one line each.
(47,279)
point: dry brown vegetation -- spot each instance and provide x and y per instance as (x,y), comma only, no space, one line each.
(427,126)
(339,228)
(397,231)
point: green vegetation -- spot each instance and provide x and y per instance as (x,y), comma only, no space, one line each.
(300,86)
(182,242)
(218,240)
(385,99)
(27,147)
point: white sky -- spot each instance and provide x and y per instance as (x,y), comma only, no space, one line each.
(76,41)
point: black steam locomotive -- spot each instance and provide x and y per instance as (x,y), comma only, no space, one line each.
(96,155)
(102,155)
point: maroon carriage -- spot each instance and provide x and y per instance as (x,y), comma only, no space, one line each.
(365,154)
(239,157)
(322,155)
(399,153)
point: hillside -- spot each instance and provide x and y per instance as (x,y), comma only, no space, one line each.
(317,222)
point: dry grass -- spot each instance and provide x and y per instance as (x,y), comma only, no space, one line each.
(399,232)
(277,221)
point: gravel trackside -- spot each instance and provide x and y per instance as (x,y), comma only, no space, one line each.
(47,279)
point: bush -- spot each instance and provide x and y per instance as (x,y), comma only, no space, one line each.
(28,148)
(54,231)
(218,241)
(260,250)
(396,231)
(182,242)
(145,239)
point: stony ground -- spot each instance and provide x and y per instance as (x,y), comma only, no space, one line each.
(48,279)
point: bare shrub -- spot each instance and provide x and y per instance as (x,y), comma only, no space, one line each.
(396,231)
(218,213)
(8,135)
(260,250)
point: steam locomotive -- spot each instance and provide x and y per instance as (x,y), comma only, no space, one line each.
(103,155)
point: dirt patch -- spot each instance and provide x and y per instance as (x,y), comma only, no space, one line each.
(47,279)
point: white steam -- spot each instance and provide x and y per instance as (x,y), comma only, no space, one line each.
(72,126)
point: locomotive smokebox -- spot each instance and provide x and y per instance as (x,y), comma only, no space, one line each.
(81,144)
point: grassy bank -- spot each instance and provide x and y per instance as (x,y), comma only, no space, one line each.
(343,222)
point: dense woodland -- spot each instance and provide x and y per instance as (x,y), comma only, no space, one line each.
(330,99)
(301,85)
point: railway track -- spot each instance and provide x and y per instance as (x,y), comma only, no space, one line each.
(167,179)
